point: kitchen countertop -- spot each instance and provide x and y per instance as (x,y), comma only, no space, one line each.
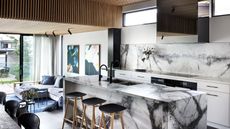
(150,91)
(185,77)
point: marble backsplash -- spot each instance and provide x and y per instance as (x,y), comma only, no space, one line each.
(205,59)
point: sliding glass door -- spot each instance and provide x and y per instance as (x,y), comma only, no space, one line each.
(27,58)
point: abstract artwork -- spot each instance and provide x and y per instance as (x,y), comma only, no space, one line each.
(92,59)
(73,58)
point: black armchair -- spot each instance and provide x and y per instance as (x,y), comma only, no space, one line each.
(23,108)
(2,98)
(11,108)
(29,121)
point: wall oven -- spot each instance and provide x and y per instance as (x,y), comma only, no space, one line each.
(174,83)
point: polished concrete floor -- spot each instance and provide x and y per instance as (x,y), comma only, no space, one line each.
(53,120)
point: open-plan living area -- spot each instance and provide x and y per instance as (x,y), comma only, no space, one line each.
(114,64)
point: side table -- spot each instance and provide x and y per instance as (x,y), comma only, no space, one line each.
(42,93)
(31,103)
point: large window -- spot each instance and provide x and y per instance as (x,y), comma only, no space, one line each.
(28,57)
(9,58)
(140,17)
(221,7)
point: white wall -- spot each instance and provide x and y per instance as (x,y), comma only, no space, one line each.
(141,34)
(178,39)
(81,39)
(220,29)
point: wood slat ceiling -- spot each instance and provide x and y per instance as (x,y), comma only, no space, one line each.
(83,12)
(36,27)
(119,2)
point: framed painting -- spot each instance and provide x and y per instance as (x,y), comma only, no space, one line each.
(73,58)
(92,59)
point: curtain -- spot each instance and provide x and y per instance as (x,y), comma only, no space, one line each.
(46,56)
(57,56)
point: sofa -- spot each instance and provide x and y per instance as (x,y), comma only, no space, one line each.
(54,88)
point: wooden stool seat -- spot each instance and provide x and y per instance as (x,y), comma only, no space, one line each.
(75,94)
(69,96)
(94,101)
(111,109)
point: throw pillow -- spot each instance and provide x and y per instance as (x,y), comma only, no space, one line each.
(48,80)
(59,82)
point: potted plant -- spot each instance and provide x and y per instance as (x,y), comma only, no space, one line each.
(30,94)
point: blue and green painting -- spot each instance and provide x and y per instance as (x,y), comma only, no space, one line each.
(92,59)
(73,58)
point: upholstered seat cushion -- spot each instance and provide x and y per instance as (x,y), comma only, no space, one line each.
(56,91)
(57,95)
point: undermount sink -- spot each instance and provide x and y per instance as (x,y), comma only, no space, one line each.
(123,82)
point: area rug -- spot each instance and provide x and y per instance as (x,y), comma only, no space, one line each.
(40,104)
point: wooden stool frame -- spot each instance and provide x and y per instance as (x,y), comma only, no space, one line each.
(102,121)
(75,112)
(93,121)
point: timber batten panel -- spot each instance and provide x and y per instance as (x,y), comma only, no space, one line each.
(84,12)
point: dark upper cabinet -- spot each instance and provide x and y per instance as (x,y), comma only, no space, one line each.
(203,29)
(114,43)
(177,16)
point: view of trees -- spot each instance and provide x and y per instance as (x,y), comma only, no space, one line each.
(13,58)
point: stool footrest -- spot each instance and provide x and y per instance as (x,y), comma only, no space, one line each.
(66,119)
(79,117)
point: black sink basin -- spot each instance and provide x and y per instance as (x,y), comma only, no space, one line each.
(123,82)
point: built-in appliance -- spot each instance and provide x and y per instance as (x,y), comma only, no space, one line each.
(174,83)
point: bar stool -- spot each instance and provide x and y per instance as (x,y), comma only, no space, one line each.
(76,96)
(95,102)
(111,109)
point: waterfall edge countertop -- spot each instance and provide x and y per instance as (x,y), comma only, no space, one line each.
(6,122)
(148,106)
(149,91)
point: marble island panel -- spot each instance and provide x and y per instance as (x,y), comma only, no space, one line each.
(148,106)
(149,91)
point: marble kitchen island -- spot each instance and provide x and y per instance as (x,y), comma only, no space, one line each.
(149,106)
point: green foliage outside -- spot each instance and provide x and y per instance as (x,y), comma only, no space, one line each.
(27,60)
(15,68)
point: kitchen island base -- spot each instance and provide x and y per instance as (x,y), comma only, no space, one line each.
(190,112)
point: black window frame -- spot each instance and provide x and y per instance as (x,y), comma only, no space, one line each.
(20,53)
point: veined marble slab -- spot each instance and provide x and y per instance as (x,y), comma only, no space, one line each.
(206,59)
(148,106)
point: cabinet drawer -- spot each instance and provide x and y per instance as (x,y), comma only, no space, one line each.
(142,77)
(123,74)
(214,87)
(218,107)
